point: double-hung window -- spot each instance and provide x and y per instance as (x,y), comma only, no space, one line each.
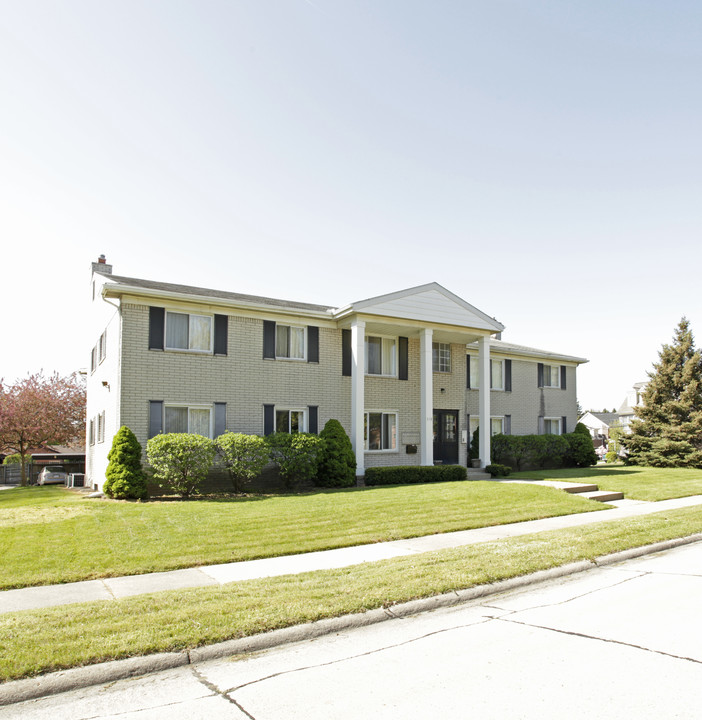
(380,430)
(289,342)
(552,376)
(289,421)
(552,426)
(381,356)
(497,373)
(101,427)
(441,357)
(497,425)
(186,331)
(188,419)
(102,346)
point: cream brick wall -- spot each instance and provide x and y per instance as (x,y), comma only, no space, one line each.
(245,382)
(526,401)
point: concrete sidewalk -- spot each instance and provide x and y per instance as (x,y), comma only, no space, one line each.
(120,587)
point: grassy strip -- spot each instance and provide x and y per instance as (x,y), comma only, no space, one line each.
(637,483)
(52,535)
(38,641)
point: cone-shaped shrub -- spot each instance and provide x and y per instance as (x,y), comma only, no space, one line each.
(337,465)
(124,475)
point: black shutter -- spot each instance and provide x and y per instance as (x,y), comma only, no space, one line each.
(312,344)
(221,332)
(508,376)
(157,322)
(563,377)
(403,365)
(508,425)
(268,419)
(313,419)
(220,419)
(564,421)
(155,417)
(540,375)
(468,371)
(346,352)
(269,340)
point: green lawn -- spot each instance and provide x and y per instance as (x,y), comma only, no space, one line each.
(637,483)
(51,535)
(39,641)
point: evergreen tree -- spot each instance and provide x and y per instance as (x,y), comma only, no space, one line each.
(668,429)
(124,475)
(337,463)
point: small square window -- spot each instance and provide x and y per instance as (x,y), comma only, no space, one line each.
(441,357)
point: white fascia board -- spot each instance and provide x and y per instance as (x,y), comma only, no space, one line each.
(366,306)
(500,348)
(119,289)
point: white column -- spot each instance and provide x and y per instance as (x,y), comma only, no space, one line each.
(358,376)
(484,399)
(426,402)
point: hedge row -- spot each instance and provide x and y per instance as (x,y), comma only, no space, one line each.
(414,474)
(529,452)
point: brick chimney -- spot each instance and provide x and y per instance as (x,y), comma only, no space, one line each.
(101,266)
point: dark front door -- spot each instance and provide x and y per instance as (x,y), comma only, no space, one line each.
(446,437)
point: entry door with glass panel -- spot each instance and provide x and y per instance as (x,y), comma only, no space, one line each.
(446,437)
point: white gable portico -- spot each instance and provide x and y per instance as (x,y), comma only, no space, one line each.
(381,330)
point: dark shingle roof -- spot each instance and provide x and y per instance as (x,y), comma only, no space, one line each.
(215,294)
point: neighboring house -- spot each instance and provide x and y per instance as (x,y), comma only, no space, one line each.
(404,373)
(634,397)
(599,425)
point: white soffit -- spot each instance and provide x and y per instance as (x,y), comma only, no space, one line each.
(427,303)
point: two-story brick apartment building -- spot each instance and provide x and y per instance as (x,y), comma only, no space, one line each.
(404,373)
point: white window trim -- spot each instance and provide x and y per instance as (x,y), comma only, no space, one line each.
(560,425)
(189,406)
(101,427)
(283,408)
(102,347)
(502,374)
(93,359)
(304,344)
(397,358)
(189,314)
(450,358)
(475,422)
(475,378)
(385,451)
(557,374)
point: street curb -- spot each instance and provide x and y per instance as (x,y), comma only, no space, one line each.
(17,691)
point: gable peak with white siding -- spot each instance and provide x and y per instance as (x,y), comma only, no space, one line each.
(429,303)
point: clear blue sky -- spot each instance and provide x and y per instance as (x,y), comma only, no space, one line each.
(543,160)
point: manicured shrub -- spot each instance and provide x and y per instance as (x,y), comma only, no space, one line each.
(244,456)
(125,477)
(582,430)
(497,470)
(474,452)
(296,454)
(180,461)
(414,474)
(581,451)
(611,457)
(337,462)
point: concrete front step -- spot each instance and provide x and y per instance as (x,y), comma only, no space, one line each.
(584,488)
(603,495)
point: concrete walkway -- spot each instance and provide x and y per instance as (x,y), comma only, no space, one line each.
(120,587)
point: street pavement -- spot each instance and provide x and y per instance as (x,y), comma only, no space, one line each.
(619,641)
